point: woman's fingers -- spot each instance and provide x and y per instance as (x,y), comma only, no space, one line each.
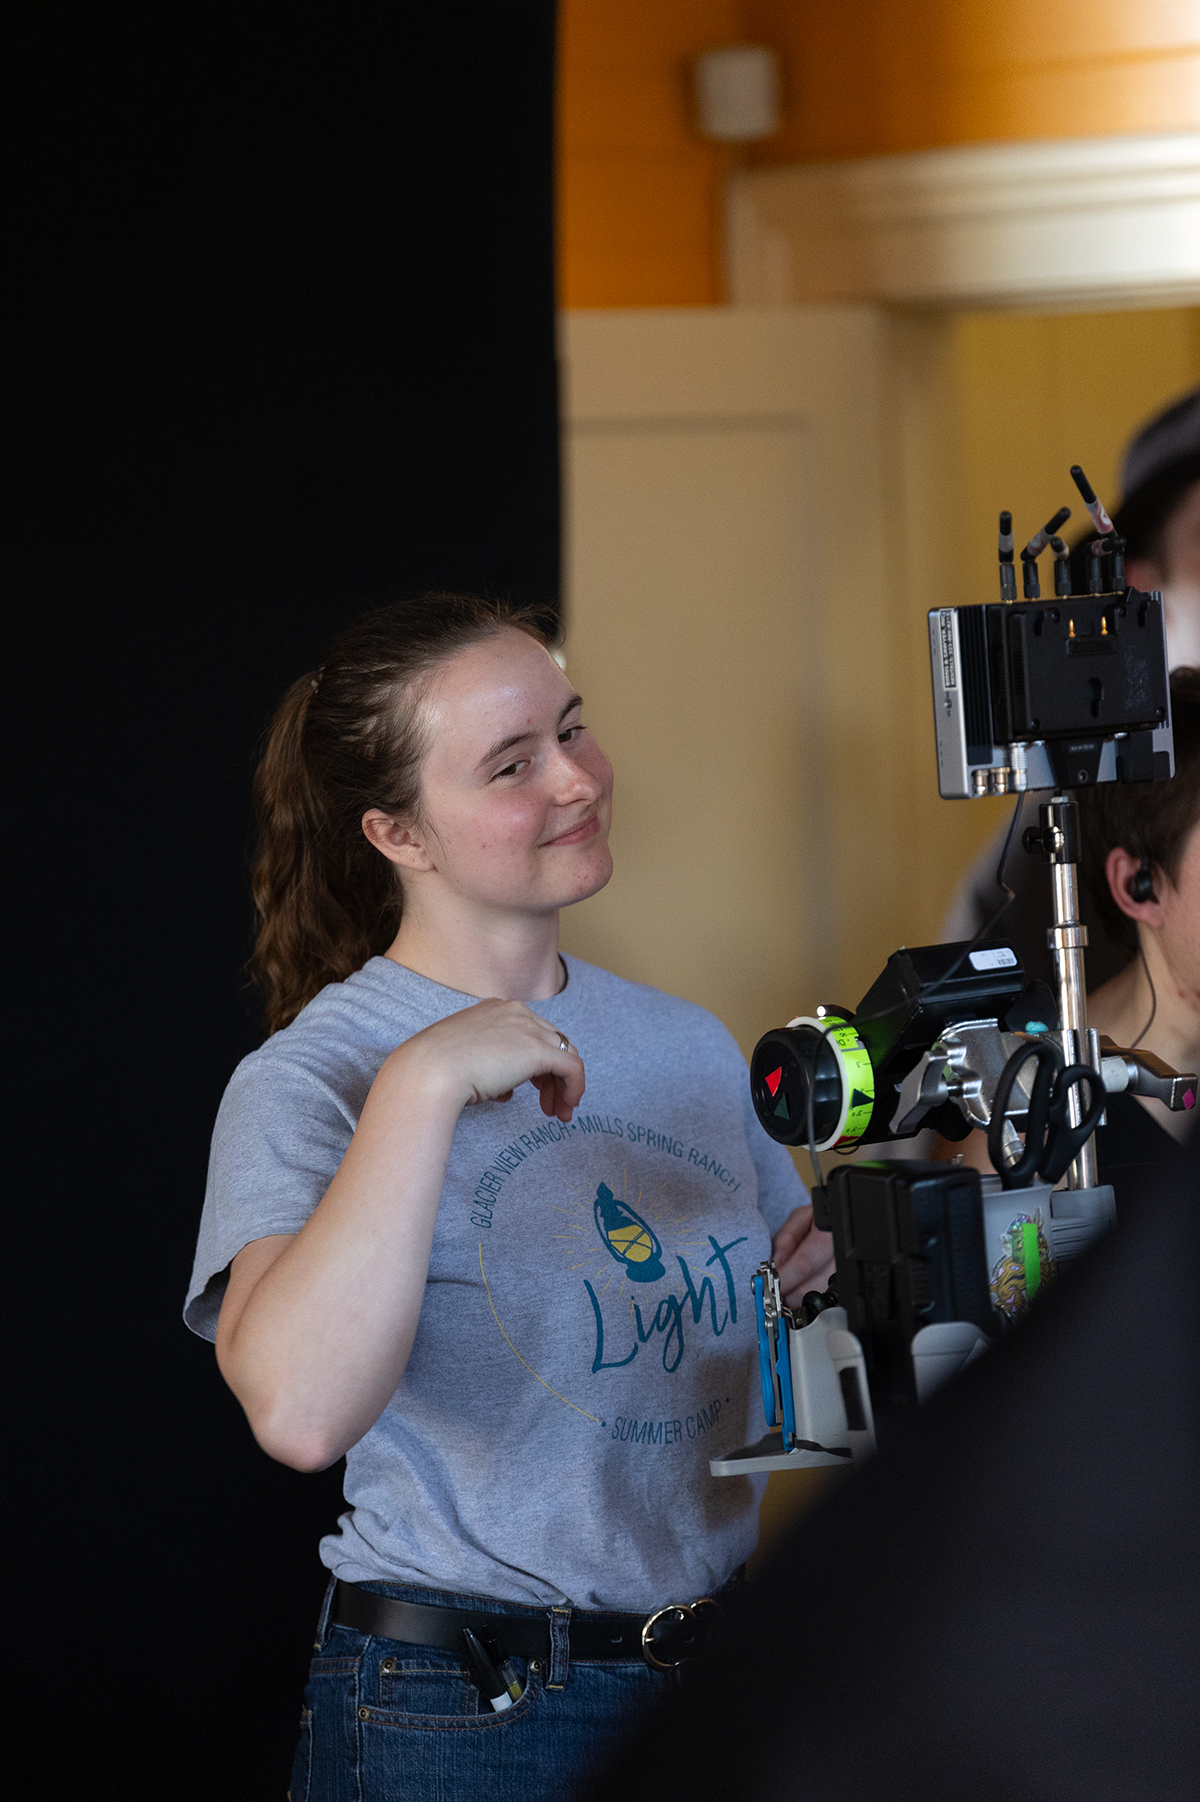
(495,1046)
(803,1256)
(550,1094)
(567,1092)
(559,1036)
(560,1094)
(571,1082)
(796,1280)
(793,1230)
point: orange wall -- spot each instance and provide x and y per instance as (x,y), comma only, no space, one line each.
(639,189)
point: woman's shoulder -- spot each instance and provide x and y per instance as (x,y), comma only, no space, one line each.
(617,998)
(346,1030)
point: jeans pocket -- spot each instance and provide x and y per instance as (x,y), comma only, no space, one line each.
(436,1693)
(412,1683)
(326,1761)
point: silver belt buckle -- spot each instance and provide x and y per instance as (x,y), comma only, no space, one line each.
(697,1624)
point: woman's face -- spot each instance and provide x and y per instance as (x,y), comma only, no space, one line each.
(1179,921)
(1177,574)
(516,793)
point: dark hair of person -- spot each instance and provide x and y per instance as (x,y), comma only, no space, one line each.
(345,738)
(1150,820)
(1142,519)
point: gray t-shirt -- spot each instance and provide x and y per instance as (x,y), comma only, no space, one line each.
(586,1341)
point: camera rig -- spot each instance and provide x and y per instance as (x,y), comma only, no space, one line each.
(933,1260)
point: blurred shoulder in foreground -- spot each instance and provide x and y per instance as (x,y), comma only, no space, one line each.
(1007,1602)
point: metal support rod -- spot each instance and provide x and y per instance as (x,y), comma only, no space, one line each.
(1067,939)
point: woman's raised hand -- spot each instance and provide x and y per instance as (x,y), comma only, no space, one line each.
(485,1052)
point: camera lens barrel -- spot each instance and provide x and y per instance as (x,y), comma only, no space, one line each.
(821,1058)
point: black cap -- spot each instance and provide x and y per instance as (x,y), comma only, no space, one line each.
(1171,437)
(1161,465)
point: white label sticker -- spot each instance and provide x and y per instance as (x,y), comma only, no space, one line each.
(949,667)
(1001,958)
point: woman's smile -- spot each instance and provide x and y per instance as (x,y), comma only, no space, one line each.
(576,835)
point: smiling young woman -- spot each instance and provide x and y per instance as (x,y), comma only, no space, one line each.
(522,1319)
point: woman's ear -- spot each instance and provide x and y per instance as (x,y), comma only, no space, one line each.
(1122,870)
(399,843)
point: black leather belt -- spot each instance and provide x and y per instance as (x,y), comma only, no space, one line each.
(667,1638)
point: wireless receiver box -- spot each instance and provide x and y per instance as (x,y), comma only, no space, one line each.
(1050,694)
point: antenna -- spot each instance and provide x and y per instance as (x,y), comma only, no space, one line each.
(1040,540)
(1118,563)
(1062,566)
(1095,507)
(1008,575)
(1033,551)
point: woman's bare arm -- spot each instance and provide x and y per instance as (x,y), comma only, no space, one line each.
(316,1327)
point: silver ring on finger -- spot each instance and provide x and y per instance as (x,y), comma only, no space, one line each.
(564,1042)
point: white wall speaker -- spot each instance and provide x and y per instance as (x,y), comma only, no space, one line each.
(738,93)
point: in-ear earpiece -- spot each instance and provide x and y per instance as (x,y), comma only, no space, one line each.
(1141,884)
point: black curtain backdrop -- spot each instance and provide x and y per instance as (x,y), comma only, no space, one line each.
(285,347)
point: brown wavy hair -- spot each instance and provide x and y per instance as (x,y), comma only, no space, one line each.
(347,737)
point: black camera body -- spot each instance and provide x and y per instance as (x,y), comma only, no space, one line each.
(846,1067)
(911,1253)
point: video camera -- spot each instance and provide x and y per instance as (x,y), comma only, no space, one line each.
(934,1261)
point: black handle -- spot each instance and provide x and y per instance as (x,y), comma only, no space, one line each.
(1064,1140)
(1049,1059)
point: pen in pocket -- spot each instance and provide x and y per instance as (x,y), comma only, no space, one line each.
(501,1686)
(505,1669)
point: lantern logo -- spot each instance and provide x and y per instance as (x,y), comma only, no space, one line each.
(628,1237)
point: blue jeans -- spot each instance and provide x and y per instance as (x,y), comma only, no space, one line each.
(385,1721)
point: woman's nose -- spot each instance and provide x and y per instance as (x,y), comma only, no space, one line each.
(573,780)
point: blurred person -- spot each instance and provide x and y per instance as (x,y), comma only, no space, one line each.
(1140,862)
(1159,517)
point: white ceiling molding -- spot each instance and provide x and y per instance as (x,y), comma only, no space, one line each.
(1075,222)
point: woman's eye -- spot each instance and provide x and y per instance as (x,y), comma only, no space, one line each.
(565,737)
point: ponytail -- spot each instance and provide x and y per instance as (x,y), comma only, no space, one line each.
(344,739)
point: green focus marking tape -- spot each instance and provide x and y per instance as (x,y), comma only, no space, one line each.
(859,1078)
(1032,1257)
